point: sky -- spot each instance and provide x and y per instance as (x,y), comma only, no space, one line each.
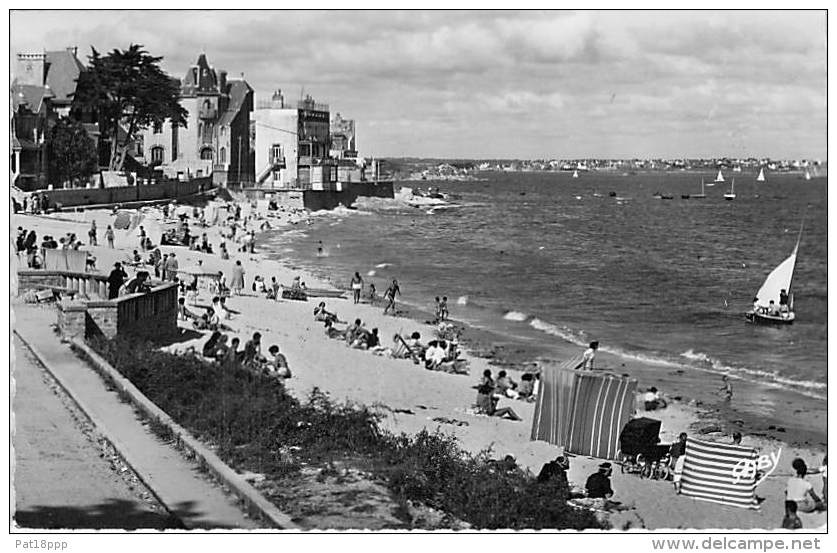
(505,84)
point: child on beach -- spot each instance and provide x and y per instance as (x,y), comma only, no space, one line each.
(357,286)
(791,520)
(589,356)
(371,293)
(443,309)
(437,313)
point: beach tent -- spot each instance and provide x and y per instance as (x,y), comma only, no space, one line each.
(65,260)
(584,412)
(719,473)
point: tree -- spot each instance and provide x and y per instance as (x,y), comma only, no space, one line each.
(128,91)
(71,152)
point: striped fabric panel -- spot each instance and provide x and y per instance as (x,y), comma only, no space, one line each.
(602,405)
(708,473)
(553,406)
(583,412)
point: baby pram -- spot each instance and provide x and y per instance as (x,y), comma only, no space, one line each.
(640,451)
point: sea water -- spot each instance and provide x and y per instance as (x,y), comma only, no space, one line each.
(543,257)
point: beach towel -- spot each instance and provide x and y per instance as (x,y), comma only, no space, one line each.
(65,260)
(584,412)
(718,473)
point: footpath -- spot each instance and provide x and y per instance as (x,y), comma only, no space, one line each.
(195,501)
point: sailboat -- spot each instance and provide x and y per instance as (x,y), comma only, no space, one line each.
(720,177)
(575,174)
(778,281)
(731,194)
(761,178)
(807,174)
(702,192)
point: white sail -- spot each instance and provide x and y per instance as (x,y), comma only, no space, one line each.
(779,279)
(575,174)
(761,178)
(720,177)
(807,174)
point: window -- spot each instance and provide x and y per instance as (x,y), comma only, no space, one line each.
(173,142)
(223,155)
(139,146)
(207,134)
(304,150)
(206,153)
(276,153)
(157,154)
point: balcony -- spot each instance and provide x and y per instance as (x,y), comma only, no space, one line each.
(208,112)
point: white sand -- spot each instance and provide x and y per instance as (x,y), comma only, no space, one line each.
(360,376)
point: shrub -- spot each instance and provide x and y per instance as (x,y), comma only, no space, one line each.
(254,421)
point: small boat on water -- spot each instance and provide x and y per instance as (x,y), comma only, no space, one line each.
(761,178)
(575,174)
(720,177)
(780,279)
(807,174)
(731,194)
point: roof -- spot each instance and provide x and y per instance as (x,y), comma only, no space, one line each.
(63,69)
(239,92)
(204,80)
(29,96)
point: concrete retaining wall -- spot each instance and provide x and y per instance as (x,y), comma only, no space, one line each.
(125,194)
(316,200)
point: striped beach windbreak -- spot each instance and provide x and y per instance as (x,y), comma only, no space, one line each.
(718,472)
(584,412)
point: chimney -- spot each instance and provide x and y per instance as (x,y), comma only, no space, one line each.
(222,81)
(30,69)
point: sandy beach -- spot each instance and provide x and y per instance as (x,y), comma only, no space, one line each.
(413,398)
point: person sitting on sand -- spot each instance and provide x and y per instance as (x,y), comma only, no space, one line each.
(278,366)
(652,399)
(253,349)
(210,320)
(526,387)
(598,483)
(332,332)
(211,343)
(183,313)
(373,342)
(353,331)
(800,490)
(258,285)
(490,408)
(589,356)
(506,386)
(555,470)
(434,355)
(791,520)
(221,349)
(322,314)
(233,356)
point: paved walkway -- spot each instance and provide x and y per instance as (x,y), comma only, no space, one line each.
(196,501)
(61,479)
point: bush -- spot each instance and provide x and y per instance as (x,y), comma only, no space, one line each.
(253,422)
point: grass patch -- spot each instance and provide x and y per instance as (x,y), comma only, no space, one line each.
(255,422)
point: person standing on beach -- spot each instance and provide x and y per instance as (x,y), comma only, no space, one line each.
(237,280)
(92,233)
(389,296)
(109,236)
(677,452)
(726,388)
(357,286)
(171,267)
(141,236)
(588,357)
(116,279)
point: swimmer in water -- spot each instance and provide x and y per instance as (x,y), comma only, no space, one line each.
(320,248)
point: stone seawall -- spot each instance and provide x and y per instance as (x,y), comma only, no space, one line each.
(72,197)
(317,200)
